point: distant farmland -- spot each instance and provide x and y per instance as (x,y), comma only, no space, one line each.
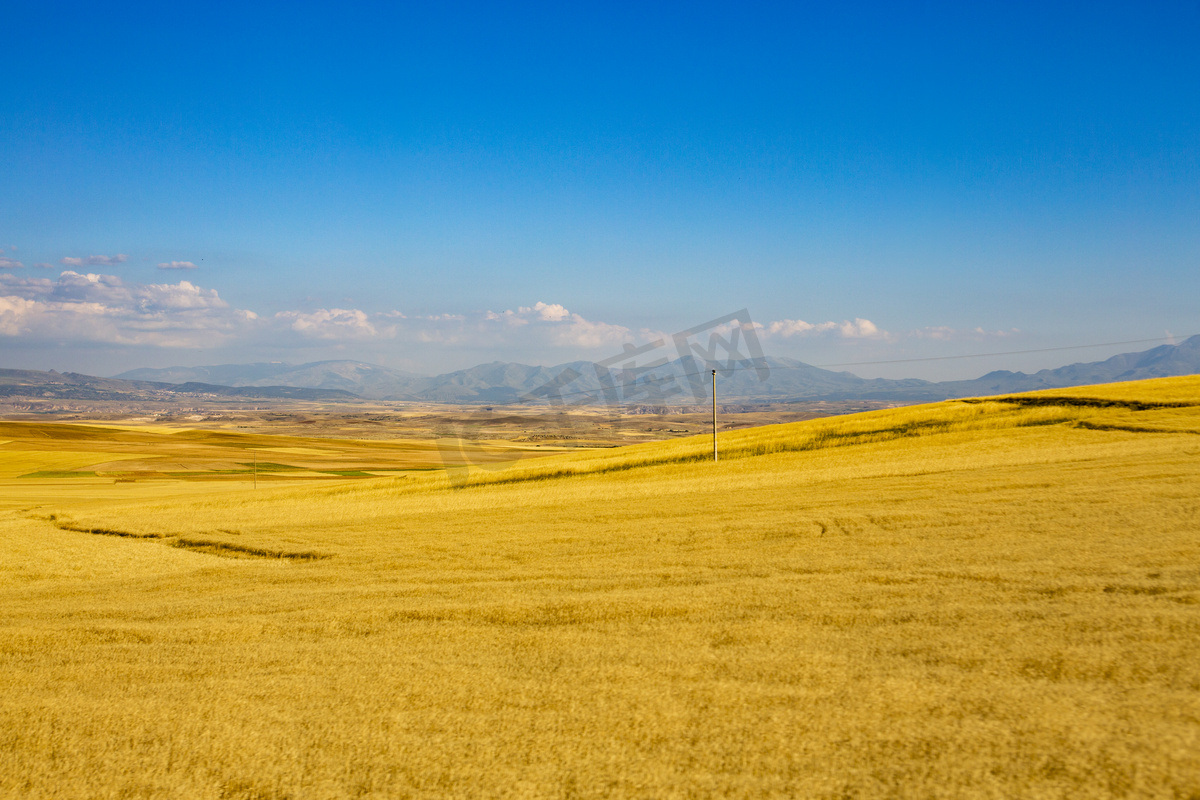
(995,597)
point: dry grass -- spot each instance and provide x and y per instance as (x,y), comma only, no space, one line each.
(988,599)
(44,463)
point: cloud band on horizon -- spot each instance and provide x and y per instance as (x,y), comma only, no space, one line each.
(89,308)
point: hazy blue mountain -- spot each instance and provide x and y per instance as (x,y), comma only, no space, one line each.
(498,382)
(271,392)
(679,382)
(70,385)
(222,374)
(74,386)
(365,380)
(577,382)
(1159,362)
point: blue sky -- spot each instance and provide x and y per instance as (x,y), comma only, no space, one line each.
(206,183)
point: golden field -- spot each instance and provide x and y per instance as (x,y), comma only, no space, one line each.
(984,598)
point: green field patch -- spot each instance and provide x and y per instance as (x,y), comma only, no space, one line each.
(373,472)
(247,468)
(401,470)
(55,473)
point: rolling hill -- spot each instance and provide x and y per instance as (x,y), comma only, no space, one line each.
(977,598)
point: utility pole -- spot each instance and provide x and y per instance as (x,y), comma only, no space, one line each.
(714,376)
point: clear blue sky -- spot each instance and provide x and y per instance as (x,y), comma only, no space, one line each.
(366,181)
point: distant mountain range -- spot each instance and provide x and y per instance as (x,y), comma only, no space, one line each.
(669,384)
(73,386)
(677,383)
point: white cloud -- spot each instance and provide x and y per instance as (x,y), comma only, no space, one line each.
(511,318)
(13,310)
(43,265)
(552,323)
(107,261)
(858,329)
(177,265)
(935,332)
(861,328)
(102,308)
(9,263)
(551,312)
(538,325)
(946,333)
(579,332)
(539,312)
(95,261)
(84,307)
(787,327)
(333,323)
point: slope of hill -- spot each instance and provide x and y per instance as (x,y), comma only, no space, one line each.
(983,598)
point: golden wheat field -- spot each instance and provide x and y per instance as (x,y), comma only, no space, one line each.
(983,598)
